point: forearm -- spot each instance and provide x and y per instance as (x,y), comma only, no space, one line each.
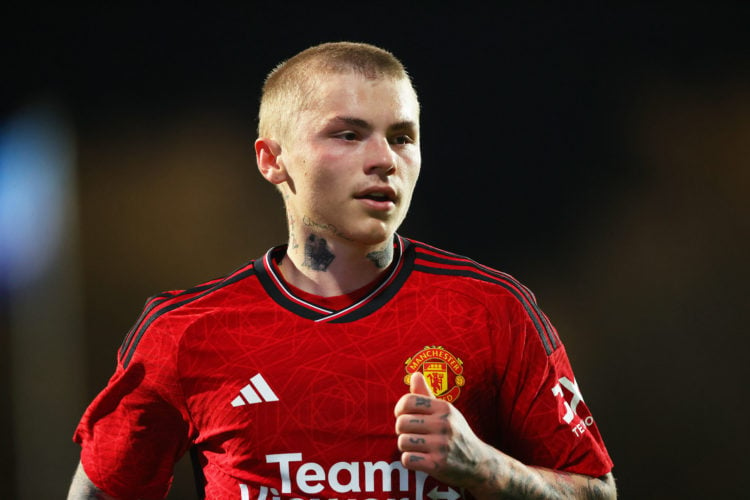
(501,476)
(435,438)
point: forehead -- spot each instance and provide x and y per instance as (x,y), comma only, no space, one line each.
(352,94)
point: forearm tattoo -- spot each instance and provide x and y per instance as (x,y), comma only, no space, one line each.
(536,486)
(317,254)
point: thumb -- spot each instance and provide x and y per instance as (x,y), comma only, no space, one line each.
(418,385)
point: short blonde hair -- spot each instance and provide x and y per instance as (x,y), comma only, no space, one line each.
(290,86)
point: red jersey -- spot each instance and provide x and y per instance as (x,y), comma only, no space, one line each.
(283,398)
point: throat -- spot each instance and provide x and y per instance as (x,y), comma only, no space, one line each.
(329,271)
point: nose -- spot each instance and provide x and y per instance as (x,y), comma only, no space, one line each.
(379,156)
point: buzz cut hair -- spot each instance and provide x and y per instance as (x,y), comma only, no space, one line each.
(290,86)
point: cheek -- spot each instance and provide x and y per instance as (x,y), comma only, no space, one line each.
(327,168)
(409,183)
(412,170)
(320,186)
(320,179)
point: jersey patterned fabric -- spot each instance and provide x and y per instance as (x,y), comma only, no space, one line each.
(282,398)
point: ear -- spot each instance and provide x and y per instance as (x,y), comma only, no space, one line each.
(267,155)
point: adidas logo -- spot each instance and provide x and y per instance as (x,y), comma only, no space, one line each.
(257,391)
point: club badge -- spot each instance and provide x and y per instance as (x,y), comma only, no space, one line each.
(442,370)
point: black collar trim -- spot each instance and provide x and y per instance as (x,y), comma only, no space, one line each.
(277,289)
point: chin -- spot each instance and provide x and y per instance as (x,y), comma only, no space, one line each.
(373,236)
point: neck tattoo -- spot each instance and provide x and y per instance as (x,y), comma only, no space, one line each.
(381,258)
(317,255)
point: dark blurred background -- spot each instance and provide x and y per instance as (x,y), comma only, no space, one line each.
(599,154)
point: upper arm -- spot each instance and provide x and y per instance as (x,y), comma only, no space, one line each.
(81,488)
(545,419)
(138,426)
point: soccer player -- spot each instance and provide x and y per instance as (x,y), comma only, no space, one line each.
(352,362)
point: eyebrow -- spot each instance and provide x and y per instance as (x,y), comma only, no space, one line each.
(358,122)
(354,122)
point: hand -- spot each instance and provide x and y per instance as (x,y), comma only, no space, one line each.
(434,437)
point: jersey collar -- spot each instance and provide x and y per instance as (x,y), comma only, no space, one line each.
(280,292)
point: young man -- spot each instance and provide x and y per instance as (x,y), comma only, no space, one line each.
(285,376)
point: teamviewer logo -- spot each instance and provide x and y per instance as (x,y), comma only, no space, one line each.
(257,391)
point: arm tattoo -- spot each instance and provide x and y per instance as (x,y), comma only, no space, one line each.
(526,488)
(561,486)
(317,255)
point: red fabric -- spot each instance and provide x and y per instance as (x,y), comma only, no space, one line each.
(329,432)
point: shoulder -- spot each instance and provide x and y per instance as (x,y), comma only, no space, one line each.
(172,311)
(459,269)
(498,291)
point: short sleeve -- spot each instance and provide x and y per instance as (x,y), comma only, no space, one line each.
(136,429)
(546,421)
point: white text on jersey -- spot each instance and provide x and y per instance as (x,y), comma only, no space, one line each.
(311,478)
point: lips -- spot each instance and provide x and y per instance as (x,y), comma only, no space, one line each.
(380,194)
(379,197)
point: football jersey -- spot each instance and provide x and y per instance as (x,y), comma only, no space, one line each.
(282,398)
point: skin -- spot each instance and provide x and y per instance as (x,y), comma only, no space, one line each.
(320,174)
(362,136)
(434,437)
(82,488)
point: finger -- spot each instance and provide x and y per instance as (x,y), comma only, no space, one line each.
(415,424)
(416,402)
(401,405)
(415,443)
(418,385)
(413,404)
(418,461)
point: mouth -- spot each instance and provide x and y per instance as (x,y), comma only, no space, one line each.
(380,198)
(377,195)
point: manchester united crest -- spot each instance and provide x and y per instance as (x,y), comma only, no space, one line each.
(442,370)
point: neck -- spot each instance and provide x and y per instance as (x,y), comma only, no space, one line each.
(331,266)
